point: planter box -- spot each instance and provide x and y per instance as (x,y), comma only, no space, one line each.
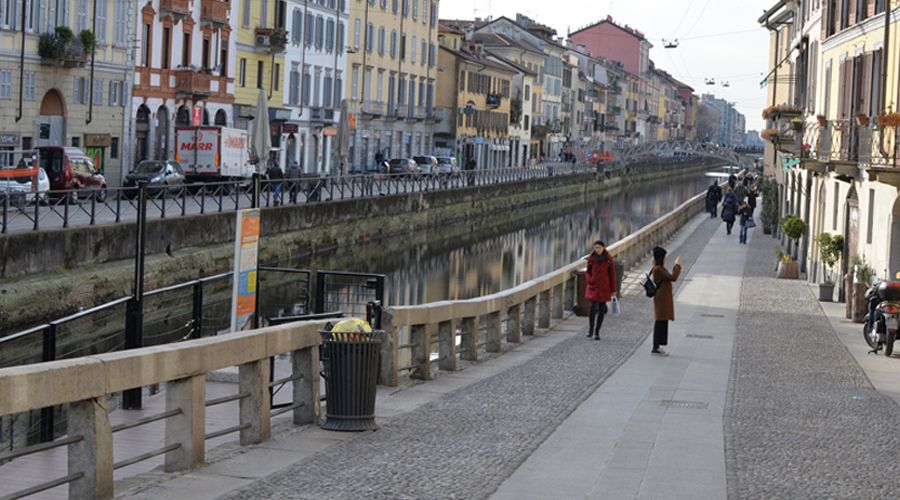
(788,270)
(826,293)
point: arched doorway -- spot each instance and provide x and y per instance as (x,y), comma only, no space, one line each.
(162,133)
(142,134)
(183,117)
(221,118)
(205,117)
(851,235)
(894,242)
(52,121)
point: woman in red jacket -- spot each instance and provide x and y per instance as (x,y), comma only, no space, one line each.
(601,286)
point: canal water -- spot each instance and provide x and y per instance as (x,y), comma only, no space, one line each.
(478,264)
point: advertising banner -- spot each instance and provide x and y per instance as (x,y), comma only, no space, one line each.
(246,251)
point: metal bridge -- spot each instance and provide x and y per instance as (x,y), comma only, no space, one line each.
(681,150)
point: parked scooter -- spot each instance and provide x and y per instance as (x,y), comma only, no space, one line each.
(883,318)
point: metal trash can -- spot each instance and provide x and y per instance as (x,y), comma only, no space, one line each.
(351,375)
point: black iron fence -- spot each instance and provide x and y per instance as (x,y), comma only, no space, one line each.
(81,207)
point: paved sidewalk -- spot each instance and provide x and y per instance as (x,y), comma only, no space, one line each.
(654,429)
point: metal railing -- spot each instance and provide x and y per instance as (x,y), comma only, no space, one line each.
(868,146)
(88,207)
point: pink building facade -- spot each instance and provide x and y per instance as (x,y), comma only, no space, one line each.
(616,43)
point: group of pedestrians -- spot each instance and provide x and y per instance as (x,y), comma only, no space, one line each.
(601,289)
(738,204)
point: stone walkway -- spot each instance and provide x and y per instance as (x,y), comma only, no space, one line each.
(802,420)
(466,443)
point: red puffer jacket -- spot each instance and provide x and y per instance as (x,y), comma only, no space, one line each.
(601,278)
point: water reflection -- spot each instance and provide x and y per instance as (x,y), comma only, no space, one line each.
(500,262)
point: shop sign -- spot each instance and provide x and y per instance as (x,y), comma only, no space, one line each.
(329,132)
(7,139)
(97,140)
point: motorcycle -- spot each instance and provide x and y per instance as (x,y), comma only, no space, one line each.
(882,321)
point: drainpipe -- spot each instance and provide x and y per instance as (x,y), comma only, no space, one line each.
(21,70)
(884,69)
(90,115)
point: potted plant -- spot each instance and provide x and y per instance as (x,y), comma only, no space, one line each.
(769,215)
(768,112)
(822,120)
(862,119)
(794,228)
(770,134)
(888,119)
(830,249)
(787,268)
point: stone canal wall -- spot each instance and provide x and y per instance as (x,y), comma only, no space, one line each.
(50,273)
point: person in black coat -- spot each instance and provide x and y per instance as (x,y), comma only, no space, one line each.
(713,196)
(745,215)
(729,209)
(751,199)
(732,181)
(276,176)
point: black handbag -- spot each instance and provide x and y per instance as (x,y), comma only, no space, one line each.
(649,286)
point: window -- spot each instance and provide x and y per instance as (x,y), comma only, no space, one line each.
(320,32)
(370,37)
(354,84)
(186,50)
(260,69)
(114,93)
(102,8)
(424,11)
(98,92)
(381,40)
(166,47)
(837,201)
(263,12)
(871,221)
(223,62)
(412,50)
(310,29)
(78,166)
(432,54)
(327,90)
(415,6)
(329,35)
(80,89)
(317,86)
(148,42)
(379,87)
(297,27)
(294,90)
(392,85)
(5,84)
(339,89)
(383,4)
(205,53)
(242,72)
(245,13)
(356,27)
(340,38)
(405,8)
(114,148)
(29,86)
(276,75)
(394,44)
(395,5)
(81,11)
(424,52)
(121,22)
(306,85)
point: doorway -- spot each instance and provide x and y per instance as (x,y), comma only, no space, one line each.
(894,243)
(142,134)
(52,121)
(162,133)
(851,239)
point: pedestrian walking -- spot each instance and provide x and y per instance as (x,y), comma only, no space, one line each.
(601,286)
(751,199)
(729,209)
(276,179)
(713,196)
(746,216)
(732,181)
(293,180)
(470,170)
(664,300)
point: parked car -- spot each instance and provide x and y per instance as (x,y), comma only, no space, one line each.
(70,168)
(159,175)
(447,165)
(427,164)
(16,189)
(404,166)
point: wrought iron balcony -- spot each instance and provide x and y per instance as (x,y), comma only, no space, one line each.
(273,40)
(214,12)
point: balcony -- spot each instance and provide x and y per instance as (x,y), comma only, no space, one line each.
(373,108)
(175,8)
(401,112)
(190,82)
(273,40)
(214,12)
(420,113)
(493,101)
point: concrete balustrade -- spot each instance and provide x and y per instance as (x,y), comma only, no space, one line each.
(85,384)
(526,308)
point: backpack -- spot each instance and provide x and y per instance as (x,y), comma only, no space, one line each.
(649,286)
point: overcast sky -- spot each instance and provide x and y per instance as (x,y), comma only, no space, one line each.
(739,55)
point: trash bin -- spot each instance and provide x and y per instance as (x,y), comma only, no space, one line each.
(351,375)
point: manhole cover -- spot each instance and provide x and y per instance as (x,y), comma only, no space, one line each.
(695,336)
(713,315)
(690,405)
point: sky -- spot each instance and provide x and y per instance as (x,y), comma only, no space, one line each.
(717,39)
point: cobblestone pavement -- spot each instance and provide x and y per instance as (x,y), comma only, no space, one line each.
(802,419)
(466,443)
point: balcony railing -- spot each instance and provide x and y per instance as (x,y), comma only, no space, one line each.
(192,82)
(402,111)
(214,11)
(271,39)
(374,108)
(420,113)
(843,142)
(177,7)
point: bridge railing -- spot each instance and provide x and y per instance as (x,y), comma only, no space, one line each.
(85,385)
(422,338)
